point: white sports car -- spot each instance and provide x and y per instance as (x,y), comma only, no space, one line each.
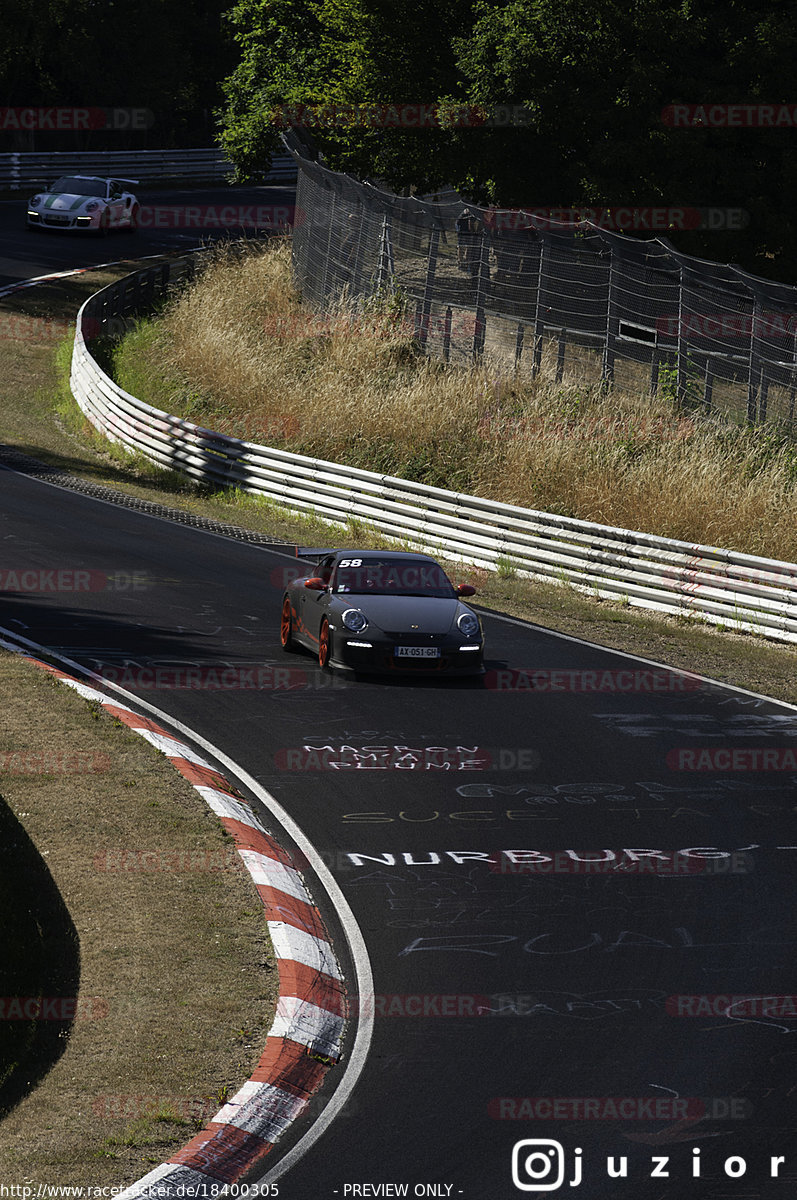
(84,202)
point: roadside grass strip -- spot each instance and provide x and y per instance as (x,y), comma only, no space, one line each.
(306,1037)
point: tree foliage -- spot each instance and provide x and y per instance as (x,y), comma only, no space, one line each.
(593,79)
(162,56)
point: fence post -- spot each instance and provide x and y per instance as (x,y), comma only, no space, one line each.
(539,320)
(386,269)
(447,334)
(754,368)
(482,280)
(328,255)
(422,333)
(793,379)
(612,324)
(519,344)
(654,374)
(708,387)
(357,264)
(560,355)
(681,380)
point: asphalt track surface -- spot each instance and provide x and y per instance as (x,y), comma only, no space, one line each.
(534,984)
(494,982)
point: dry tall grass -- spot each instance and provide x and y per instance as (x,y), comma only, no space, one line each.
(243,355)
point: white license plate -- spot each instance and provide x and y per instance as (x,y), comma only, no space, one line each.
(417,652)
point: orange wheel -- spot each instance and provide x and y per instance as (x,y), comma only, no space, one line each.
(323,645)
(286,626)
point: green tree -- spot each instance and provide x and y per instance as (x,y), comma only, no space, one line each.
(594,81)
(329,53)
(167,57)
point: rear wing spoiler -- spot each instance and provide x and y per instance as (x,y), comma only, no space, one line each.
(309,552)
(118,179)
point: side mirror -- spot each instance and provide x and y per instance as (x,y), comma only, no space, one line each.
(466,589)
(315,584)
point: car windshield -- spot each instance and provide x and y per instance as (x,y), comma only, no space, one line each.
(392,577)
(79,187)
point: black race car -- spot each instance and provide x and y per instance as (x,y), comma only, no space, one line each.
(379,610)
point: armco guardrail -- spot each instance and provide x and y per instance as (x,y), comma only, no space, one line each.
(738,591)
(30,170)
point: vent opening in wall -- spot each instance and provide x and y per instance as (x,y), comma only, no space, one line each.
(637,333)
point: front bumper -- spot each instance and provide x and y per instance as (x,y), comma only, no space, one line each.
(375,654)
(58,220)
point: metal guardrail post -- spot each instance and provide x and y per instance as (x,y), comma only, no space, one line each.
(521,329)
(357,261)
(612,323)
(328,255)
(539,319)
(447,334)
(708,385)
(754,367)
(680,362)
(425,313)
(482,287)
(560,355)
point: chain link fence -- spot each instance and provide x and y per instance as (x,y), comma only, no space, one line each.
(544,296)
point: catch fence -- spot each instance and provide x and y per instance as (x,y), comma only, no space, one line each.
(553,297)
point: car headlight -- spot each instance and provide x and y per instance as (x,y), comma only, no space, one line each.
(468,624)
(354,620)
(36,201)
(92,206)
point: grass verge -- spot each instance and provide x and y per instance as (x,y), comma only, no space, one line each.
(148,918)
